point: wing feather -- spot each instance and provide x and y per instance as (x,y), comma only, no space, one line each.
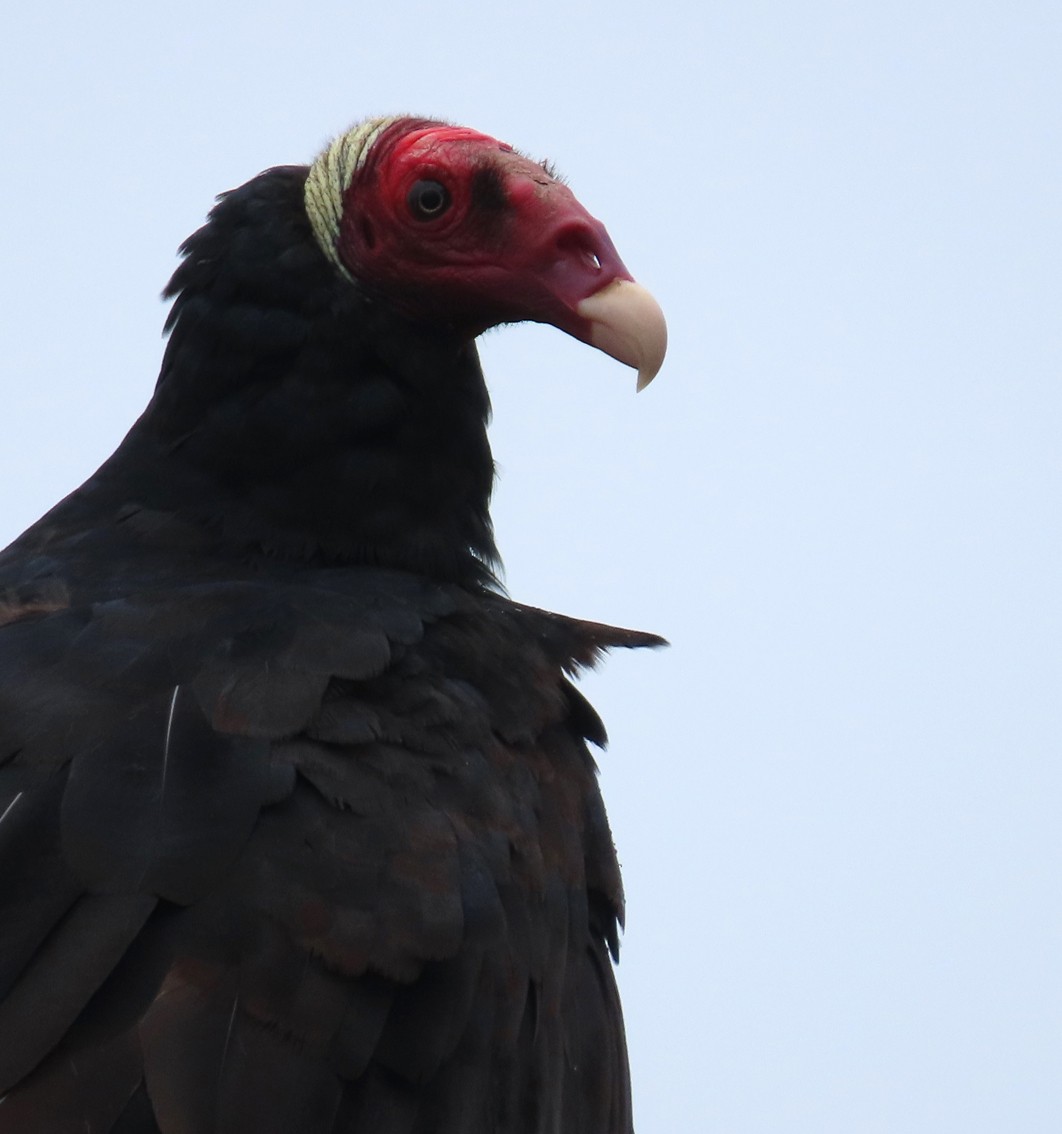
(325,856)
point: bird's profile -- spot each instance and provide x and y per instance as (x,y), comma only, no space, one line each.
(299,830)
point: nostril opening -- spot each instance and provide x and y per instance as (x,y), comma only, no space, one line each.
(577,242)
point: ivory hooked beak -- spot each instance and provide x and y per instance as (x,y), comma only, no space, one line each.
(626,322)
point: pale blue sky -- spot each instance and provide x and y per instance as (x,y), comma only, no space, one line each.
(838,797)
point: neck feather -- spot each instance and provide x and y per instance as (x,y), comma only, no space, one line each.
(297,416)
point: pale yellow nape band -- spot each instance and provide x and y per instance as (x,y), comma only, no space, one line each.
(329,177)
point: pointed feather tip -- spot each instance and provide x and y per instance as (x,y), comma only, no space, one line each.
(598,637)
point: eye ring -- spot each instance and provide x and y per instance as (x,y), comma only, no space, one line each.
(428,200)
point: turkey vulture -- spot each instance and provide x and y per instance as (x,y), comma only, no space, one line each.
(299,830)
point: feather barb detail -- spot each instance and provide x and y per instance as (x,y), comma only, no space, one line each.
(329,177)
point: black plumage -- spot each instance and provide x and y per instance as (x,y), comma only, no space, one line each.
(300,831)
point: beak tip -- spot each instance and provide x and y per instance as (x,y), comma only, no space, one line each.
(627,323)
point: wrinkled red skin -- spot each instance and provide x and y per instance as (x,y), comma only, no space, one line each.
(514,244)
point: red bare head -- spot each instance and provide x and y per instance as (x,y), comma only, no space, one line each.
(458,227)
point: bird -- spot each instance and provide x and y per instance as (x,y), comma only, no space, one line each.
(300,825)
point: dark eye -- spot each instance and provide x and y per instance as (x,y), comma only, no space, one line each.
(428,200)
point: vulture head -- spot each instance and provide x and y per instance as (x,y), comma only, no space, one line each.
(456,227)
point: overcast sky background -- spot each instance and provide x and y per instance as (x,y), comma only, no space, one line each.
(837,797)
